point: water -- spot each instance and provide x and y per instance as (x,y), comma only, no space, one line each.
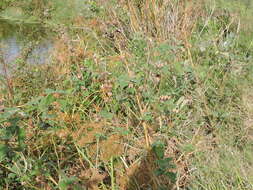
(30,42)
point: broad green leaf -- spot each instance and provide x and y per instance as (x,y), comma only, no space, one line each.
(158,147)
(164,163)
(123,80)
(45,102)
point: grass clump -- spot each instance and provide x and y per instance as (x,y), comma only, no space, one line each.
(139,95)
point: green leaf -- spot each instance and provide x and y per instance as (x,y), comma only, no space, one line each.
(3,151)
(9,132)
(105,114)
(159,172)
(122,130)
(123,80)
(45,102)
(147,117)
(34,101)
(21,138)
(66,182)
(164,163)
(158,147)
(63,103)
(172,176)
(8,113)
(12,175)
(179,67)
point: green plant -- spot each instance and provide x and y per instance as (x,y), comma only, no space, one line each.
(139,94)
(12,144)
(163,163)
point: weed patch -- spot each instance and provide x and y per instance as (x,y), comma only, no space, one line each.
(138,95)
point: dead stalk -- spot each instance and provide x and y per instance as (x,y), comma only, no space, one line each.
(6,77)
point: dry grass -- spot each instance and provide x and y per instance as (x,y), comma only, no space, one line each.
(248,102)
(163,20)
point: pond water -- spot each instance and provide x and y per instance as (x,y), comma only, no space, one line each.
(30,42)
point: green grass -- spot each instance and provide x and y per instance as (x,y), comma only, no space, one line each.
(131,100)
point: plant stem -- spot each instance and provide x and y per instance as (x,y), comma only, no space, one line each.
(112,175)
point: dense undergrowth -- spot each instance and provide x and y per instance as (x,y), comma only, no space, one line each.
(140,95)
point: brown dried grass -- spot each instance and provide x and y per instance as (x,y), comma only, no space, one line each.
(164,19)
